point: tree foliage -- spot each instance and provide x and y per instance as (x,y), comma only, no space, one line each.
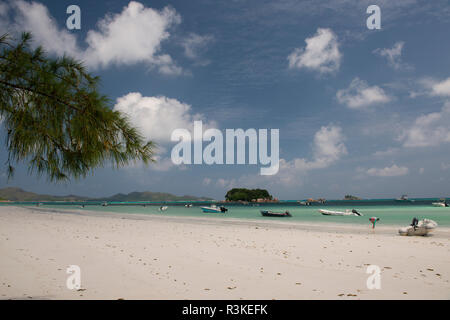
(242,194)
(55,118)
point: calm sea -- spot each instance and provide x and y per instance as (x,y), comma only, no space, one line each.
(389,211)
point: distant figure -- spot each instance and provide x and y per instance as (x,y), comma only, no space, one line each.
(414,223)
(374,221)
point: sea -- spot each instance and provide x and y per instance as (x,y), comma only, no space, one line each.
(389,211)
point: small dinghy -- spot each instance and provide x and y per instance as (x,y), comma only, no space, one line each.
(163,208)
(347,212)
(214,209)
(440,204)
(418,228)
(267,213)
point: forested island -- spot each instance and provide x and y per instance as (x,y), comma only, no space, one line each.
(255,195)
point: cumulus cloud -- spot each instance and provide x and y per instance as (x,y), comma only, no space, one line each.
(133,36)
(328,148)
(360,95)
(440,88)
(392,171)
(35,17)
(320,54)
(194,45)
(393,55)
(157,117)
(430,129)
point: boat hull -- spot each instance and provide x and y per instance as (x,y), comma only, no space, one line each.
(211,210)
(214,210)
(335,213)
(438,204)
(275,214)
(423,228)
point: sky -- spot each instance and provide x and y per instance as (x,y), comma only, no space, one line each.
(359,111)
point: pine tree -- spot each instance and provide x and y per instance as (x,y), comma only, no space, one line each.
(55,119)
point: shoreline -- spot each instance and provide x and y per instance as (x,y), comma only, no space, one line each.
(330,227)
(134,256)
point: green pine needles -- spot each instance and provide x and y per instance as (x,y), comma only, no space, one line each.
(55,119)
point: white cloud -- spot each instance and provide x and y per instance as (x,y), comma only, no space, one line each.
(360,95)
(157,117)
(36,18)
(430,129)
(194,45)
(328,148)
(392,171)
(133,36)
(320,54)
(441,88)
(393,55)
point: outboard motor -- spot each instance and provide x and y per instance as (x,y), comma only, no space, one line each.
(223,209)
(356,212)
(414,223)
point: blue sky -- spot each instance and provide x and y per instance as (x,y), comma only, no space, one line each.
(365,112)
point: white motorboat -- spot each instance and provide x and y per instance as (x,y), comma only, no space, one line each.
(214,209)
(347,212)
(440,204)
(163,208)
(418,228)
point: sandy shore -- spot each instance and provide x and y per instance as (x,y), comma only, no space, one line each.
(148,257)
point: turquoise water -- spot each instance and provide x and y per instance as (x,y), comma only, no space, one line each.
(396,214)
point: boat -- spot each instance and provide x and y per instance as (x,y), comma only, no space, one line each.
(347,212)
(418,228)
(104,204)
(267,213)
(304,203)
(440,203)
(214,209)
(403,198)
(163,208)
(188,205)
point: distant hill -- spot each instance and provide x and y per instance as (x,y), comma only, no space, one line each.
(17,194)
(151,196)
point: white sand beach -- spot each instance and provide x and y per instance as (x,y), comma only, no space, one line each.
(157,257)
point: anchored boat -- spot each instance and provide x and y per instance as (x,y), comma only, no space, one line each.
(214,209)
(440,203)
(267,213)
(347,212)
